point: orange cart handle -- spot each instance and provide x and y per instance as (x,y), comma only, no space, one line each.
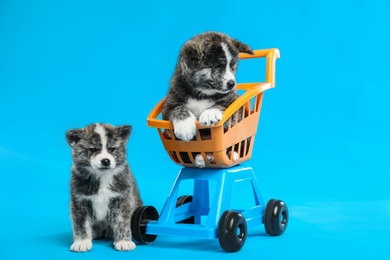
(272,55)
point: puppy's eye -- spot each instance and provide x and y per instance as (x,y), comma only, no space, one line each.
(92,150)
(111,149)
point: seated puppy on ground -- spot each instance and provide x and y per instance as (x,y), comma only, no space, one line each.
(203,85)
(104,193)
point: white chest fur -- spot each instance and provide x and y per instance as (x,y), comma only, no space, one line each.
(198,106)
(101,200)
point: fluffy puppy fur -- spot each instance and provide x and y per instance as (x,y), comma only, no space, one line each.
(203,84)
(104,193)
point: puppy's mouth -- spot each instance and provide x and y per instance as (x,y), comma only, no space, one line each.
(223,91)
(213,90)
(104,168)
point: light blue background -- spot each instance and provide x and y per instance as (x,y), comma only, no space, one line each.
(322,146)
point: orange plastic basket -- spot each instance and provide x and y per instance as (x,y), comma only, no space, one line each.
(242,115)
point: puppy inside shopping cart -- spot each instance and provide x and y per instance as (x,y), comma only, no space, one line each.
(203,85)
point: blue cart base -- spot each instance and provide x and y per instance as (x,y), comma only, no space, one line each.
(200,205)
(183,216)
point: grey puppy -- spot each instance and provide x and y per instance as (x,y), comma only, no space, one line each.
(104,193)
(203,84)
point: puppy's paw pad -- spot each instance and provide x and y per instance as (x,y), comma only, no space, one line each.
(199,161)
(210,117)
(124,245)
(185,129)
(81,246)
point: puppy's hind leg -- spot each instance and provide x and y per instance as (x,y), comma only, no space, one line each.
(199,161)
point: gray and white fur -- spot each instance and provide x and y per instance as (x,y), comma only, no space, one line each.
(203,84)
(103,190)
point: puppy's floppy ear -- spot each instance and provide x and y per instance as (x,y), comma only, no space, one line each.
(124,131)
(73,136)
(242,47)
(189,56)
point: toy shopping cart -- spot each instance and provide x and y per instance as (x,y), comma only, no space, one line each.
(202,215)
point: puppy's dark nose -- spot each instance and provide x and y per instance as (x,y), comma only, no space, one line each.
(105,162)
(231,84)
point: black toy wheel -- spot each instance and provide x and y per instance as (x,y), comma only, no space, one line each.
(181,201)
(232,231)
(275,217)
(142,216)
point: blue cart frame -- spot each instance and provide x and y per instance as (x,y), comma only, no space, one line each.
(200,205)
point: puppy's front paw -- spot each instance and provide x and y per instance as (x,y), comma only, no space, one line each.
(81,245)
(210,117)
(185,129)
(124,245)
